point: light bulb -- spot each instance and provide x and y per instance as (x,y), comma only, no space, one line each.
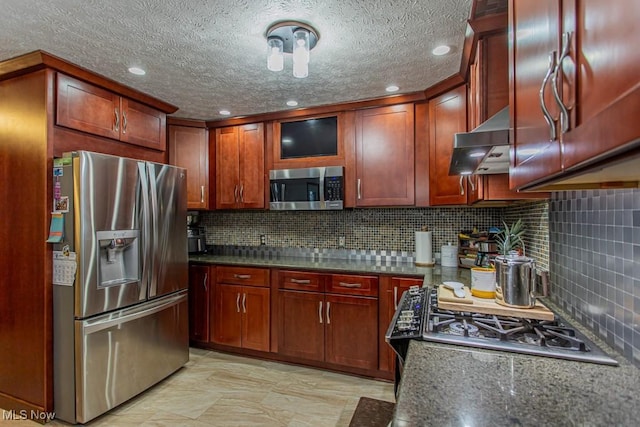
(275,57)
(301,53)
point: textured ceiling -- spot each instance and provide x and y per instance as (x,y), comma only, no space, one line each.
(204,56)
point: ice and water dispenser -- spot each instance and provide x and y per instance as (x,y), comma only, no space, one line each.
(119,257)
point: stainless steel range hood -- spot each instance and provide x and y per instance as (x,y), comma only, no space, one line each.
(484,150)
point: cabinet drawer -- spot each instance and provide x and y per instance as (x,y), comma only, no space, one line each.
(243,276)
(301,280)
(353,285)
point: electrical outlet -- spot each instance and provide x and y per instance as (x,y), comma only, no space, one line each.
(263,239)
(341,242)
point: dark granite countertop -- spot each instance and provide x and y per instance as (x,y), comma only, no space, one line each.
(449,385)
(431,274)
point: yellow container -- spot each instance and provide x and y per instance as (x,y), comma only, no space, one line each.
(483,282)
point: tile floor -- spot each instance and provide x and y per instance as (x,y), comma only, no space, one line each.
(215,389)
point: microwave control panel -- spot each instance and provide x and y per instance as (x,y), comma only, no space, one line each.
(333,188)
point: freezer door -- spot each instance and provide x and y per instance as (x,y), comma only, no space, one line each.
(121,354)
(169,256)
(108,238)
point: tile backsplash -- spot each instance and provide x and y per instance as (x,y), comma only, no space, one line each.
(535,217)
(595,262)
(364,229)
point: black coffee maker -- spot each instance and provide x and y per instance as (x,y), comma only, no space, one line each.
(196,242)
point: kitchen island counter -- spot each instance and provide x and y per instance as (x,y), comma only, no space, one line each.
(432,275)
(451,385)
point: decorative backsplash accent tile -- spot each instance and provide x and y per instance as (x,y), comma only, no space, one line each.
(595,262)
(363,229)
(391,257)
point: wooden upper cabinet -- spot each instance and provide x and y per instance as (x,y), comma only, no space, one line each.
(240,173)
(488,94)
(580,54)
(142,125)
(189,148)
(385,156)
(252,174)
(535,43)
(447,116)
(600,79)
(89,108)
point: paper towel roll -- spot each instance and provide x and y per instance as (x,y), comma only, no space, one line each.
(424,254)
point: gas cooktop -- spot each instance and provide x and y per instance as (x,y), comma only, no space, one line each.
(554,338)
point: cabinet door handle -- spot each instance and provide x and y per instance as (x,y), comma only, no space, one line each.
(301,281)
(235,193)
(461,186)
(238,302)
(204,282)
(545,111)
(564,112)
(395,297)
(116,125)
(244,302)
(349,285)
(242,276)
(359,189)
(242,193)
(328,313)
(124,122)
(320,311)
(473,186)
(202,194)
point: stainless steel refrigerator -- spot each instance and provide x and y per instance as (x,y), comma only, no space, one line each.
(120,280)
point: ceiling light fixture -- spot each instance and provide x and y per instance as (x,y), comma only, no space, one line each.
(137,71)
(225,112)
(292,103)
(441,50)
(392,88)
(291,37)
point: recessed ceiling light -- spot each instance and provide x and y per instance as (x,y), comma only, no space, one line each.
(137,71)
(392,88)
(465,173)
(292,103)
(441,50)
(225,112)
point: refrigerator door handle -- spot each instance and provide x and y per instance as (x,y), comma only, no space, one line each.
(153,232)
(146,226)
(124,318)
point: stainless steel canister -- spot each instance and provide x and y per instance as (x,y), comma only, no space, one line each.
(515,281)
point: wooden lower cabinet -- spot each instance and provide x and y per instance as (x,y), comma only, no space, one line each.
(241,314)
(333,328)
(391,290)
(301,326)
(200,279)
(351,331)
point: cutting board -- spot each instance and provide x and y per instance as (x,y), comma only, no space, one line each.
(448,301)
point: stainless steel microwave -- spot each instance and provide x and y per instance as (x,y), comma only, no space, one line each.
(307,188)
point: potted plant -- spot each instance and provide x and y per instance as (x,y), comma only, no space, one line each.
(510,239)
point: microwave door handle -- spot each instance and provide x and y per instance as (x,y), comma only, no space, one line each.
(282,192)
(274,192)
